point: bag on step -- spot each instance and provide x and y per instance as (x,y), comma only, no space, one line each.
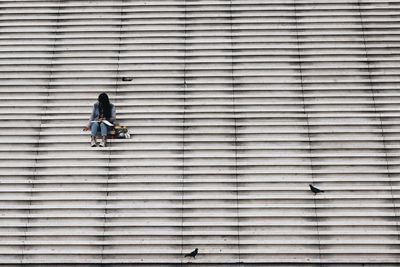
(121,132)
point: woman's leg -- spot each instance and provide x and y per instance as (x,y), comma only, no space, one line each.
(104,132)
(104,129)
(94,129)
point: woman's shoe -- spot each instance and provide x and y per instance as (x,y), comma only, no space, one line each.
(93,143)
(102,144)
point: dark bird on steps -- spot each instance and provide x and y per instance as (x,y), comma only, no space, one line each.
(127,79)
(192,254)
(315,190)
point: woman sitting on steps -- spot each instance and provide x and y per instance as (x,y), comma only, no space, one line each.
(103,114)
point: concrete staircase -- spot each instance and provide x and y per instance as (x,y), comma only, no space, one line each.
(235,107)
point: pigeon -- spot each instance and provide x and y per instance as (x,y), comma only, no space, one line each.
(315,190)
(192,254)
(127,79)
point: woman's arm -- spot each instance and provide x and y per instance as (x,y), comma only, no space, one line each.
(113,114)
(92,116)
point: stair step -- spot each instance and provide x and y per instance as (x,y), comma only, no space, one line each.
(234,108)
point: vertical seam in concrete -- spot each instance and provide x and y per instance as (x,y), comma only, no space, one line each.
(43,114)
(371,85)
(235,132)
(109,145)
(183,134)
(308,128)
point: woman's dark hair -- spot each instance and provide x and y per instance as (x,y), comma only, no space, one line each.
(104,105)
